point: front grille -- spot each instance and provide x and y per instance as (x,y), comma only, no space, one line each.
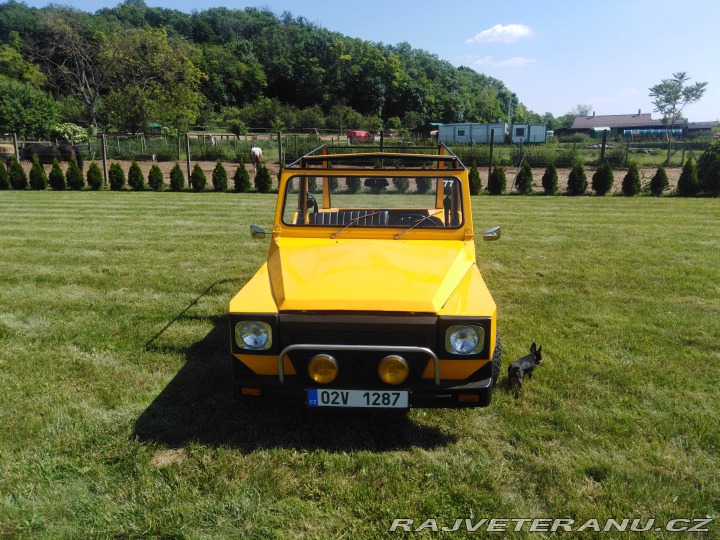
(358,368)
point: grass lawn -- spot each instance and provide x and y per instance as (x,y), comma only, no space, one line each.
(110,428)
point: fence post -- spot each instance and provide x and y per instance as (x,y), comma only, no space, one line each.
(492,146)
(187,152)
(15,146)
(179,147)
(104,158)
(280,150)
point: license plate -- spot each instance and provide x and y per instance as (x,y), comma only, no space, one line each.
(373,399)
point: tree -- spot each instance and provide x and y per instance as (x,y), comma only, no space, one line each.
(550,180)
(177,178)
(242,179)
(688,181)
(219,177)
(263,182)
(116,177)
(671,96)
(497,181)
(57,177)
(74,176)
(94,177)
(136,179)
(197,178)
(38,178)
(18,178)
(603,179)
(475,184)
(524,180)
(577,179)
(631,183)
(4,177)
(708,170)
(659,182)
(25,110)
(155,178)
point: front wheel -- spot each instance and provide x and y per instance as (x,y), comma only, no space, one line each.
(496,360)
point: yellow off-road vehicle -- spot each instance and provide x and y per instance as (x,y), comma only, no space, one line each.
(370,296)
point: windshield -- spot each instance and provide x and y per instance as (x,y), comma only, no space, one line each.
(373,201)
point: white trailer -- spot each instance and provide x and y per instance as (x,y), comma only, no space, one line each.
(527,133)
(475,133)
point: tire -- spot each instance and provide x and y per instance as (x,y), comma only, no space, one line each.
(496,360)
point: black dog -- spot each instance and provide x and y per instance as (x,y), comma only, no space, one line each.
(522,366)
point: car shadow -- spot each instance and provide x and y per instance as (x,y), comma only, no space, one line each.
(199,405)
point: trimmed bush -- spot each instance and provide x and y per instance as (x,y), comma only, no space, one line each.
(577,180)
(155,178)
(18,178)
(94,177)
(4,177)
(197,178)
(74,176)
(497,181)
(475,183)
(659,182)
(708,170)
(263,182)
(550,180)
(353,184)
(333,184)
(242,179)
(116,177)
(136,179)
(401,184)
(312,184)
(524,180)
(177,178)
(424,185)
(603,179)
(219,177)
(38,178)
(57,177)
(631,183)
(688,181)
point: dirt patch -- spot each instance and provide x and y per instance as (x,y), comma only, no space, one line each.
(165,458)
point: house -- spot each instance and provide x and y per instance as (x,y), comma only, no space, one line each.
(615,123)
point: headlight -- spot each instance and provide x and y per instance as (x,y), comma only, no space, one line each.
(461,339)
(254,335)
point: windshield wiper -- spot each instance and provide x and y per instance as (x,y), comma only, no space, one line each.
(418,222)
(353,221)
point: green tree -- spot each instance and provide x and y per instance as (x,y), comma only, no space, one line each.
(550,180)
(14,66)
(524,180)
(57,177)
(136,179)
(38,178)
(401,184)
(708,170)
(25,110)
(603,179)
(219,177)
(94,177)
(577,179)
(177,178)
(4,177)
(263,182)
(688,181)
(352,184)
(74,176)
(197,178)
(670,98)
(18,178)
(631,183)
(116,176)
(497,182)
(155,178)
(475,183)
(659,182)
(241,179)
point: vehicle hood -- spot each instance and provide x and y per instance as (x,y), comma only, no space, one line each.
(366,275)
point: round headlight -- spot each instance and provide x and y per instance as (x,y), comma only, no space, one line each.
(464,339)
(393,369)
(323,369)
(253,335)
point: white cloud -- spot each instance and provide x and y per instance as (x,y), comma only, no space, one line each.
(502,34)
(490,61)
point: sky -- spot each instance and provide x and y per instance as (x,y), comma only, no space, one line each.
(553,54)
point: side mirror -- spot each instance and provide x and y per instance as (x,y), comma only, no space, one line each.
(493,233)
(257,232)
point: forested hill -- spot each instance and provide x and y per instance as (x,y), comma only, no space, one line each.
(132,66)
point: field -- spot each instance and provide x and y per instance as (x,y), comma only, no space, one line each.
(117,418)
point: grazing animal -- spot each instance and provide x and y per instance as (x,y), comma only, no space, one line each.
(524,366)
(46,153)
(256,157)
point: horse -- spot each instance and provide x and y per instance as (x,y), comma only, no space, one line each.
(256,157)
(46,153)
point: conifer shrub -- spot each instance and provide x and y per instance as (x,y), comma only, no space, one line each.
(74,177)
(219,177)
(136,179)
(353,184)
(603,179)
(155,178)
(424,185)
(57,177)
(524,181)
(197,179)
(688,181)
(312,184)
(177,178)
(94,177)
(577,180)
(475,183)
(38,178)
(497,183)
(18,178)
(116,177)
(631,183)
(401,184)
(4,177)
(263,182)
(708,170)
(242,179)
(550,180)
(659,182)
(333,184)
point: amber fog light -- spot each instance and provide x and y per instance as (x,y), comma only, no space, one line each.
(393,369)
(323,369)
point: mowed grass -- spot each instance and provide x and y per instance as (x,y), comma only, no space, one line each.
(111,427)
